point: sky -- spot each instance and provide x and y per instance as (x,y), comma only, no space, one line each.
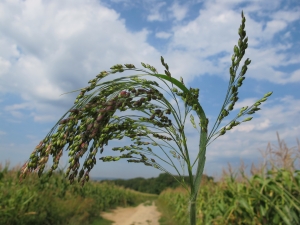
(52,47)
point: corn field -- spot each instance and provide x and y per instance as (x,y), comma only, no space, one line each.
(54,201)
(272,197)
(273,200)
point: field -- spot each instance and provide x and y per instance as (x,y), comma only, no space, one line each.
(55,201)
(270,196)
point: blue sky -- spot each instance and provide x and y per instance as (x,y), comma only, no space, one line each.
(51,47)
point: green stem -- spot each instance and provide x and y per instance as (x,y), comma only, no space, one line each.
(193,212)
(195,187)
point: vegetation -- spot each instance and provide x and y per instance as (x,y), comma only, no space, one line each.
(270,196)
(92,121)
(54,201)
(152,185)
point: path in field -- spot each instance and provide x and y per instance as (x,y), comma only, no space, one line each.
(140,215)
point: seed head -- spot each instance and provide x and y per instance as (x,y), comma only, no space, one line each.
(230,107)
(181,80)
(123,94)
(162,61)
(168,73)
(140,90)
(223,131)
(268,94)
(129,66)
(236,50)
(247,119)
(64,121)
(99,118)
(117,67)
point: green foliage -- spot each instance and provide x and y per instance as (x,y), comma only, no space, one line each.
(262,200)
(152,185)
(270,197)
(54,201)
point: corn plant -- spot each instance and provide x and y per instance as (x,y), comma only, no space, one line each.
(272,200)
(268,197)
(93,120)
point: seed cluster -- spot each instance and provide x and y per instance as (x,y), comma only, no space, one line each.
(92,120)
(236,82)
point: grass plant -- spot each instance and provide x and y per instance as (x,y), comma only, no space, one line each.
(93,121)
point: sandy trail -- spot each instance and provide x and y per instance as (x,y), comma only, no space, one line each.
(140,215)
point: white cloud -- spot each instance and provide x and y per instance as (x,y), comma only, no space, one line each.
(178,11)
(245,102)
(4,66)
(155,15)
(206,33)
(273,27)
(57,47)
(43,117)
(51,48)
(17,114)
(288,16)
(295,76)
(264,61)
(287,35)
(163,35)
(15,109)
(247,127)
(17,106)
(214,33)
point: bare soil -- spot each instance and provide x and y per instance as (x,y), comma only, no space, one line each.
(143,214)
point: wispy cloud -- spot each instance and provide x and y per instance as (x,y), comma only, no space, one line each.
(163,35)
(178,11)
(155,15)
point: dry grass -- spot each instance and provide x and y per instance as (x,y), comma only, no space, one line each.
(275,158)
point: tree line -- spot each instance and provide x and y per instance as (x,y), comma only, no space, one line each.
(154,185)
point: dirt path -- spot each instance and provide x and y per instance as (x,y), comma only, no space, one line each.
(144,214)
